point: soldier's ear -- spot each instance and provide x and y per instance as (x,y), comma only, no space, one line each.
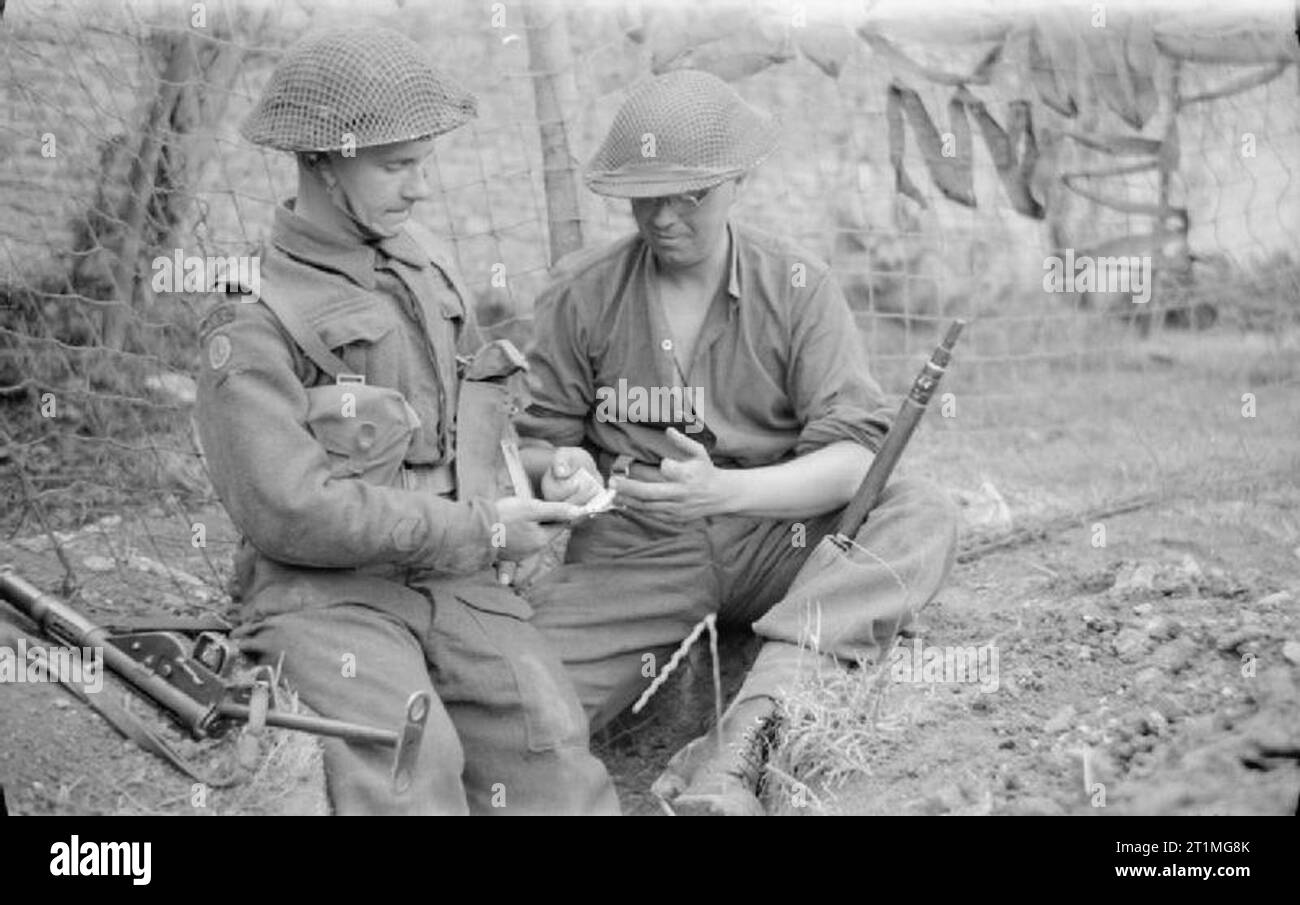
(318,162)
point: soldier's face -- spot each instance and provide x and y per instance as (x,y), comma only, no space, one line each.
(384,182)
(681,234)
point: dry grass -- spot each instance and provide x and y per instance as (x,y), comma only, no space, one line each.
(289,778)
(829,725)
(1061,412)
(1166,419)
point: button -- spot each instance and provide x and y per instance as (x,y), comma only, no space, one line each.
(366,435)
(666,345)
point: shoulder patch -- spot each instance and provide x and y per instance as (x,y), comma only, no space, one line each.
(219,349)
(217,318)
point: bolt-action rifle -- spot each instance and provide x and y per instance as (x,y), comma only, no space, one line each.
(891,450)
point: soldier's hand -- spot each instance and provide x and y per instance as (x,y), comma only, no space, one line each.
(572,477)
(692,486)
(527,526)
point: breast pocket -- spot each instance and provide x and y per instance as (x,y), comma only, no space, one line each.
(365,340)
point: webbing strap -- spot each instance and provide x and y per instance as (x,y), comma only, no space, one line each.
(307,338)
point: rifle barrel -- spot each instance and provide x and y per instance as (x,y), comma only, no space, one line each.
(891,450)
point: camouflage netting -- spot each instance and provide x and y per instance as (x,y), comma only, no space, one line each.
(122,156)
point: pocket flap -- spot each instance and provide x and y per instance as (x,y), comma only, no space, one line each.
(493,598)
(351,320)
(361,421)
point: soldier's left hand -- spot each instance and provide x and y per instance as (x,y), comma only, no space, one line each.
(693,487)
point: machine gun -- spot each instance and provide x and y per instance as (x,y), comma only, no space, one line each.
(195,683)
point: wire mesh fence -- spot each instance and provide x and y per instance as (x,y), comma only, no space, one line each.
(1076,180)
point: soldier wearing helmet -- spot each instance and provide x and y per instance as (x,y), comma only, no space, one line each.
(352,420)
(724,499)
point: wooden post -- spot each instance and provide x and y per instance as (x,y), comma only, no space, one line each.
(200,105)
(554,91)
(178,70)
(1167,163)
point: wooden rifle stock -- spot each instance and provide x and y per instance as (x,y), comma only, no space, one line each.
(891,450)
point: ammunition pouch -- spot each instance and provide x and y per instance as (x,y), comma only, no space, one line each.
(366,430)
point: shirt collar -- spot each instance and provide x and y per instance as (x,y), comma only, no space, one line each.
(340,245)
(733,263)
(733,278)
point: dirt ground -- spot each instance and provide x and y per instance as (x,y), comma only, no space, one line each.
(57,756)
(1159,673)
(1174,670)
(1171,672)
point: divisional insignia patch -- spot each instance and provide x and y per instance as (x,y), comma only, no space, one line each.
(219,351)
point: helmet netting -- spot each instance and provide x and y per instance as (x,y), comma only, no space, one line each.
(356,87)
(678,132)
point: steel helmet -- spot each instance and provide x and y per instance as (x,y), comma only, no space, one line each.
(355,87)
(679,132)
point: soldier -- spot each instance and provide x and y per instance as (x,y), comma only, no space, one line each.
(722,510)
(360,458)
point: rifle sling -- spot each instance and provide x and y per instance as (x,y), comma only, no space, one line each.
(127,723)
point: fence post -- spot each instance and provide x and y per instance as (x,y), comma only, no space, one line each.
(142,186)
(554,91)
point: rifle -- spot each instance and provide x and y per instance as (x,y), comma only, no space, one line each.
(909,416)
(195,685)
(760,713)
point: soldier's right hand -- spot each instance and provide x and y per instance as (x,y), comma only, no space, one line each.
(528,525)
(572,477)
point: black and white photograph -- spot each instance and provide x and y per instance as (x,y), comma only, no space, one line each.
(650,408)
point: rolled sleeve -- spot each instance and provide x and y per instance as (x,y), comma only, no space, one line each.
(275,481)
(831,385)
(560,380)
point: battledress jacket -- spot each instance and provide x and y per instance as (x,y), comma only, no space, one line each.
(351,486)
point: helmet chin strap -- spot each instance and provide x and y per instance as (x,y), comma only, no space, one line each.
(339,196)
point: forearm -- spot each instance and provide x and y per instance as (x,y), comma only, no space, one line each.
(536,455)
(810,485)
(275,479)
